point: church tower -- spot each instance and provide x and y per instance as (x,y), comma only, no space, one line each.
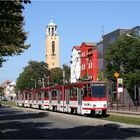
(52,46)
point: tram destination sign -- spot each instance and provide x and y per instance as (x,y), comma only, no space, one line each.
(100,84)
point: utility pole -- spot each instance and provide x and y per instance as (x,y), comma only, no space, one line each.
(63,76)
(41,80)
(103,29)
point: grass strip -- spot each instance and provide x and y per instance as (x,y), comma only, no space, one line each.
(9,103)
(123,119)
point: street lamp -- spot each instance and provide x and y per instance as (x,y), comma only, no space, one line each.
(132,36)
(34,81)
(41,80)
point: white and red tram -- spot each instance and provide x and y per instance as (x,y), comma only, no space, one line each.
(86,98)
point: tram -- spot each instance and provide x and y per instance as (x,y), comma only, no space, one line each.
(85,98)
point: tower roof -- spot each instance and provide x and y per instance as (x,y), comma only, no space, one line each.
(51,23)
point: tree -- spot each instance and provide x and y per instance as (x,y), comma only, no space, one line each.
(31,75)
(56,74)
(12,34)
(1,92)
(123,57)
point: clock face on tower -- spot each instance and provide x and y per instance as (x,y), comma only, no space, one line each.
(52,46)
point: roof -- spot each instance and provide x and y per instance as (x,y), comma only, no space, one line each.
(76,47)
(90,43)
(51,23)
(119,31)
(12,83)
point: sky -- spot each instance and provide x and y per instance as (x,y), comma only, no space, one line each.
(77,21)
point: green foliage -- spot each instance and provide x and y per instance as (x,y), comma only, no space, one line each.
(12,35)
(66,68)
(36,70)
(123,119)
(9,103)
(31,74)
(123,57)
(56,74)
(1,91)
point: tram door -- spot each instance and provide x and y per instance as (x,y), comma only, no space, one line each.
(79,111)
(58,99)
(50,100)
(67,96)
(42,98)
(58,96)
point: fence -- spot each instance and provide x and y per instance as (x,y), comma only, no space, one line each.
(125,106)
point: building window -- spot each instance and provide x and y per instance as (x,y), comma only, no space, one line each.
(112,39)
(53,47)
(83,53)
(84,66)
(91,64)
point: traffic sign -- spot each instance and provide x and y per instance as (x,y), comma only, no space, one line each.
(116,74)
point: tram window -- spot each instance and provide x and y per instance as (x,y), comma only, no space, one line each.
(54,93)
(22,97)
(39,94)
(99,91)
(34,96)
(73,93)
(29,96)
(46,94)
(59,94)
(87,92)
(25,96)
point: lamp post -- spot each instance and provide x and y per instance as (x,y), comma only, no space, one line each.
(132,36)
(41,80)
(63,76)
(34,81)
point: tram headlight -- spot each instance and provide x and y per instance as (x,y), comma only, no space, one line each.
(94,105)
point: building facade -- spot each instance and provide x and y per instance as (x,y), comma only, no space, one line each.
(100,49)
(89,61)
(75,68)
(8,87)
(52,46)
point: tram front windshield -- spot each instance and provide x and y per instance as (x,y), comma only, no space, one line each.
(98,91)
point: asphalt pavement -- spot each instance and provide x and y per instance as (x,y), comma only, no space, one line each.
(115,125)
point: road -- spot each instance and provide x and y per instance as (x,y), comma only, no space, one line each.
(23,123)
